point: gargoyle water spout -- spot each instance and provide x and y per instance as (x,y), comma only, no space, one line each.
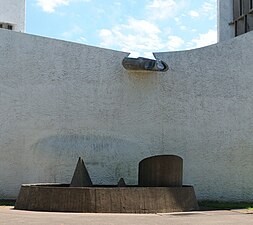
(144,64)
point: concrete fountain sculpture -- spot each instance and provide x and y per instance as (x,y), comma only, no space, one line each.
(159,190)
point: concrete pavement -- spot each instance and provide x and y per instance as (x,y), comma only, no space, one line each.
(15,217)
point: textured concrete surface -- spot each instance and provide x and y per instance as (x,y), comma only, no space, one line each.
(13,12)
(14,217)
(61,100)
(225,16)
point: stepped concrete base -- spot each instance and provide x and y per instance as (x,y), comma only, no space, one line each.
(106,199)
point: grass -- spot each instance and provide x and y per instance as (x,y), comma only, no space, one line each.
(7,202)
(210,205)
(216,205)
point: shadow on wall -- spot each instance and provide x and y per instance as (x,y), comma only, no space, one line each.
(108,158)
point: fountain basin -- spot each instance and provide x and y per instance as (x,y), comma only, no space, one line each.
(106,199)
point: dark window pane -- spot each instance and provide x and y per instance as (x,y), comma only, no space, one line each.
(240,27)
(246,6)
(240,7)
(236,9)
(250,22)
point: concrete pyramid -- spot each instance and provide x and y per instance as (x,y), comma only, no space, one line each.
(81,177)
(121,183)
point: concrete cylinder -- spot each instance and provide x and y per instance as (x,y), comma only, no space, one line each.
(161,171)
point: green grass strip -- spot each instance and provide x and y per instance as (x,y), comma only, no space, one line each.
(219,205)
(7,202)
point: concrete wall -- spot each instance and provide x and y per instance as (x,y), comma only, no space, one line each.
(13,12)
(61,100)
(225,16)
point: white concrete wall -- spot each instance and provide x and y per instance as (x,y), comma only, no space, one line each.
(61,100)
(225,16)
(13,12)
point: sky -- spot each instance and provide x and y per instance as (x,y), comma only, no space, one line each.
(136,26)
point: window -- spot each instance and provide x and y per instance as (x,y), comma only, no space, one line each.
(6,26)
(236,9)
(243,16)
(240,6)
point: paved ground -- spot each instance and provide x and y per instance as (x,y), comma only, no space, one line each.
(15,217)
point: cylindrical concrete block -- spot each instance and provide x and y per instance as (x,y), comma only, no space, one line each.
(161,171)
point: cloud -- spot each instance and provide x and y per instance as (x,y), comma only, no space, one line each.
(140,37)
(193,14)
(175,43)
(72,32)
(209,9)
(50,5)
(136,36)
(162,9)
(75,33)
(82,40)
(204,39)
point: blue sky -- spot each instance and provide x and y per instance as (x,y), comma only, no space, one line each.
(137,26)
